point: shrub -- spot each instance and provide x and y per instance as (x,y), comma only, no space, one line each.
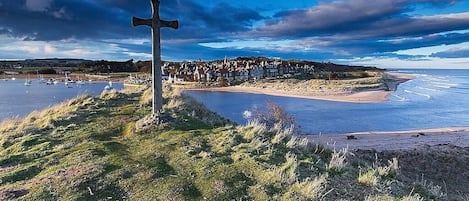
(338,160)
(274,116)
(374,175)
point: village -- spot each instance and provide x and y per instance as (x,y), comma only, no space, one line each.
(222,72)
(228,72)
(233,71)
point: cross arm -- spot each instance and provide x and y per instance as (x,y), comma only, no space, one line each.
(138,21)
(172,24)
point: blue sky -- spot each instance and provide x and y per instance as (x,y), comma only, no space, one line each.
(383,33)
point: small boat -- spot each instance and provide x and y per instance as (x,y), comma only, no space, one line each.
(108,86)
(80,82)
(4,77)
(68,84)
(40,77)
(27,82)
(68,81)
(51,81)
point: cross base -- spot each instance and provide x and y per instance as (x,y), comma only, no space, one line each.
(153,120)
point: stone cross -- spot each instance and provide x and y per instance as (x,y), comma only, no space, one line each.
(156,23)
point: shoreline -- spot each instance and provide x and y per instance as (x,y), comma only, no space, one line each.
(372,140)
(395,140)
(85,77)
(392,80)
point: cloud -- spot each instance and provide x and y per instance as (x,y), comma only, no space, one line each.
(38,5)
(415,62)
(50,49)
(359,17)
(453,53)
(106,19)
(329,30)
(12,48)
(334,16)
(60,20)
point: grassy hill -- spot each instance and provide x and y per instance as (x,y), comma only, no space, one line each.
(88,149)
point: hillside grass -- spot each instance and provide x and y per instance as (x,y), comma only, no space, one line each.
(87,149)
(322,84)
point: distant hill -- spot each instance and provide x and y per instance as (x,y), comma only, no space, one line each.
(50,62)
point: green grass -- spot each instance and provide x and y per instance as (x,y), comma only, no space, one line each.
(88,149)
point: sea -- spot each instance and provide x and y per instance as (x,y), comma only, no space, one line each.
(18,100)
(434,99)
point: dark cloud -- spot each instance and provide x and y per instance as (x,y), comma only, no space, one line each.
(331,29)
(382,18)
(372,47)
(63,19)
(208,23)
(453,53)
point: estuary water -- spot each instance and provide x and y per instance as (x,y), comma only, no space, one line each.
(18,100)
(435,99)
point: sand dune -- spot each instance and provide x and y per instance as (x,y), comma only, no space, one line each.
(392,80)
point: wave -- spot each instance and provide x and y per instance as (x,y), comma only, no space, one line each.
(442,86)
(416,93)
(438,79)
(464,88)
(399,97)
(428,89)
(444,83)
(459,92)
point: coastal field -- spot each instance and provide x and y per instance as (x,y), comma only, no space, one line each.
(88,149)
(376,87)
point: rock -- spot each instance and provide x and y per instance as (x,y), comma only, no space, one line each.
(151,120)
(146,122)
(351,137)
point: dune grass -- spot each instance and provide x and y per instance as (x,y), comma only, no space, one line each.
(318,85)
(88,149)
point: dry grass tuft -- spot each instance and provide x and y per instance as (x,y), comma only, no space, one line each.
(338,160)
(375,174)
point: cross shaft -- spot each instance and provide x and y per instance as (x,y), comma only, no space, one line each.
(156,23)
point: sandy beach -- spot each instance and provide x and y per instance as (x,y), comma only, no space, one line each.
(395,140)
(392,80)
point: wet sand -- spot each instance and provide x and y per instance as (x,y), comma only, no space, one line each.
(392,80)
(395,140)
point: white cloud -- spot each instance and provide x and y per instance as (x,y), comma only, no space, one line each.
(427,51)
(60,14)
(17,48)
(49,49)
(38,5)
(280,45)
(422,62)
(139,55)
(132,41)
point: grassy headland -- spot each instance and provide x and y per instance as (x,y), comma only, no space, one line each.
(354,86)
(354,81)
(87,149)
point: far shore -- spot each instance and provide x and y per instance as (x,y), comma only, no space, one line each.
(381,94)
(74,76)
(395,140)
